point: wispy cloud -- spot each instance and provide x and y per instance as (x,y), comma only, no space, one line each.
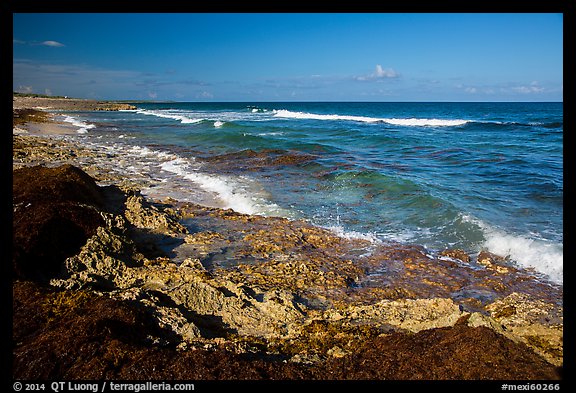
(379,73)
(51,43)
(533,87)
(507,89)
(24,89)
(70,79)
(204,95)
(81,80)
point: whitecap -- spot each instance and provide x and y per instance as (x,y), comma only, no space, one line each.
(83,127)
(283,113)
(238,194)
(169,115)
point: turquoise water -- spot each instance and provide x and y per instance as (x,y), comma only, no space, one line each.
(463,175)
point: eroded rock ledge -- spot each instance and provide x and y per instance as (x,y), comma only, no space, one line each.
(181,291)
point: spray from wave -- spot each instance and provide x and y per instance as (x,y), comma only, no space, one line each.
(82,126)
(528,252)
(238,193)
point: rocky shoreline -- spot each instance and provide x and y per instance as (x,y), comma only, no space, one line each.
(66,104)
(172,290)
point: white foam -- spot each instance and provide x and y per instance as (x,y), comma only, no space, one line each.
(426,122)
(218,124)
(529,252)
(354,235)
(241,194)
(169,115)
(237,194)
(313,116)
(402,122)
(273,133)
(543,256)
(142,151)
(82,126)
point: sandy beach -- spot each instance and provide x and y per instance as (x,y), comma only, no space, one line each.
(135,279)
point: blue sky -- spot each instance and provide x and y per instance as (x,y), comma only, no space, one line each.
(291,57)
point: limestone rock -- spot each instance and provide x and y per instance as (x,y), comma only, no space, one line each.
(411,315)
(144,215)
(538,324)
(456,254)
(494,262)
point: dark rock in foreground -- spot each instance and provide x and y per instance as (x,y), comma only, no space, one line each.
(113,340)
(55,212)
(455,353)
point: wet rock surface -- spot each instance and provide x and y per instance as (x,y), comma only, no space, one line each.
(250,160)
(170,290)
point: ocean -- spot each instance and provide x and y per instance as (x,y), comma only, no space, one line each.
(474,176)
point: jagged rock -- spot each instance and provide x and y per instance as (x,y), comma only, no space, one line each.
(103,258)
(406,314)
(493,262)
(144,215)
(456,254)
(536,323)
(109,261)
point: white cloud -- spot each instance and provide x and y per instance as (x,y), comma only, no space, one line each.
(378,74)
(55,44)
(382,73)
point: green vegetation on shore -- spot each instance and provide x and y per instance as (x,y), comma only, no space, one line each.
(35,95)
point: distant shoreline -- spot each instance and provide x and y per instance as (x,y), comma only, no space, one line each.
(70,104)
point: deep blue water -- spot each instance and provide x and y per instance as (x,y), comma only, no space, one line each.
(464,175)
